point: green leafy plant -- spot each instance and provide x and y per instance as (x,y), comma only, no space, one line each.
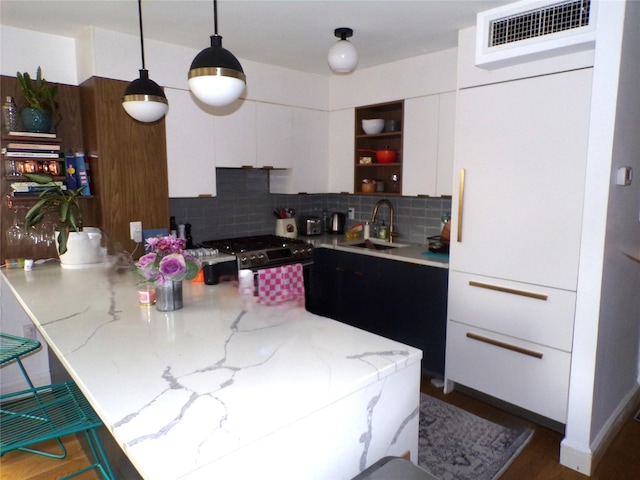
(38,93)
(64,203)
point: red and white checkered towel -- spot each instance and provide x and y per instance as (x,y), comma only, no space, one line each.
(280,284)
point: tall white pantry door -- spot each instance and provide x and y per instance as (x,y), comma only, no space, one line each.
(520,161)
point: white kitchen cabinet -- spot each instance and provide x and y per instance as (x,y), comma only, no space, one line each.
(235,135)
(190,147)
(420,146)
(309,169)
(446,134)
(341,147)
(520,160)
(429,124)
(274,129)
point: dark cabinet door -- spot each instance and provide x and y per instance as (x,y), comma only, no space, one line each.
(416,308)
(402,301)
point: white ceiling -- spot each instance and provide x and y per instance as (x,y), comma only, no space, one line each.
(293,34)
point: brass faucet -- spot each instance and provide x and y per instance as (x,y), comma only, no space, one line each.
(374,215)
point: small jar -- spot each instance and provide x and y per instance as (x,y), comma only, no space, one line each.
(146,295)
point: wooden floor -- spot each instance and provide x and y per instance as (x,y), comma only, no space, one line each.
(538,461)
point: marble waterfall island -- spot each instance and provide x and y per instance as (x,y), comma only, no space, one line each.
(212,391)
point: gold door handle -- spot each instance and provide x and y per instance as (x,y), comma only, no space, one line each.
(513,291)
(507,346)
(460,202)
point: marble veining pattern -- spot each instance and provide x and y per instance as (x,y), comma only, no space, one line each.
(190,393)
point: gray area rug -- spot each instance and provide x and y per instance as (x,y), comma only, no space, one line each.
(457,445)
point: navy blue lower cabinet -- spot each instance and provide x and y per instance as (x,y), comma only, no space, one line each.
(398,300)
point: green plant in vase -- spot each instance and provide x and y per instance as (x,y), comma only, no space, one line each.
(41,97)
(64,203)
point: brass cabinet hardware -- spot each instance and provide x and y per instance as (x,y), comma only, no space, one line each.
(513,291)
(508,346)
(460,203)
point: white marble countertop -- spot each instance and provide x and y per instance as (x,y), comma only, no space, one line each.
(404,252)
(180,390)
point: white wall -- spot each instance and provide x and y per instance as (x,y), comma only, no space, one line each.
(24,51)
(605,354)
(413,77)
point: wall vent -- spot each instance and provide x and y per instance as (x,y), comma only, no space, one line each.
(518,31)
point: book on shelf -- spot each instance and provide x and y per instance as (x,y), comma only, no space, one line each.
(29,153)
(32,134)
(82,173)
(34,188)
(70,169)
(25,194)
(34,184)
(33,146)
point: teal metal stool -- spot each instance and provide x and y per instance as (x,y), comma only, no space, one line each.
(39,414)
(12,348)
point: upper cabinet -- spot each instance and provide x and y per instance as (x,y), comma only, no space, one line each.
(378,155)
(190,147)
(428,145)
(255,135)
(308,153)
(274,130)
(341,145)
(235,135)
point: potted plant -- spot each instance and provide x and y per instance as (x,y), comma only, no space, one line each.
(41,96)
(86,241)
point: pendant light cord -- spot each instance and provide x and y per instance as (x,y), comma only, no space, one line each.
(215,17)
(141,34)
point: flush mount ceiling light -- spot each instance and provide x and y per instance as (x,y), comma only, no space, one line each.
(144,100)
(343,56)
(216,76)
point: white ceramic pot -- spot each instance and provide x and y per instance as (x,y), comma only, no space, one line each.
(84,249)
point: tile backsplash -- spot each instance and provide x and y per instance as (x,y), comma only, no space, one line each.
(243,206)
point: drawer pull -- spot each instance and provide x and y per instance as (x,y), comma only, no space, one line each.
(537,296)
(500,344)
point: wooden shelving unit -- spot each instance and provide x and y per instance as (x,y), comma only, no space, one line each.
(68,129)
(388,174)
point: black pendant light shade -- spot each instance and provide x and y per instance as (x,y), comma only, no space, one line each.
(216,76)
(143,99)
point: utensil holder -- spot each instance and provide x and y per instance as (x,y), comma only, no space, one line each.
(286,227)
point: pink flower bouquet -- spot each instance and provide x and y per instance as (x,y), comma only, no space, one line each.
(167,261)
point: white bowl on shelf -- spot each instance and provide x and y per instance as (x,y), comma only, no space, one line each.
(373,126)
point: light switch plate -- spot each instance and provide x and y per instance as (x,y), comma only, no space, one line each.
(135,230)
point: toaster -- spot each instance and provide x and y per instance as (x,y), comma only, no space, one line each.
(310,225)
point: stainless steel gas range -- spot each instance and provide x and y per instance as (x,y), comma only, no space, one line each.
(264,251)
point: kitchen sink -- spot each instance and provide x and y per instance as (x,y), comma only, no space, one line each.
(373,245)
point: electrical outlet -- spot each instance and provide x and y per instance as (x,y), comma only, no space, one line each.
(351,213)
(135,229)
(29,331)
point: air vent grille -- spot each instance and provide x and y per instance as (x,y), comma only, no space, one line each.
(537,23)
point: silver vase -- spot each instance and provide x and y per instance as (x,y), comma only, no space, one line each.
(169,296)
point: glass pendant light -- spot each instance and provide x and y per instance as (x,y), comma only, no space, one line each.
(343,56)
(144,100)
(216,76)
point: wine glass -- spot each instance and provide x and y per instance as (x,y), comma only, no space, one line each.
(16,232)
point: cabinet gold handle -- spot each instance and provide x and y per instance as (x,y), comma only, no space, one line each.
(513,291)
(460,203)
(508,346)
